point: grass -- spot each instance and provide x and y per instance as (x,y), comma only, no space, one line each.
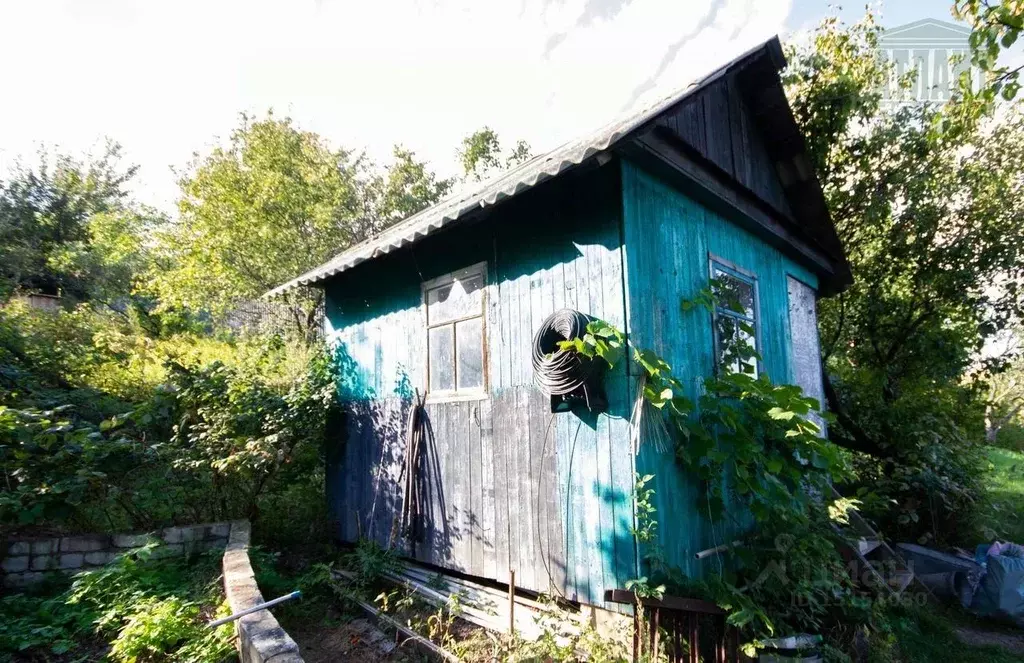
(926,636)
(1004,516)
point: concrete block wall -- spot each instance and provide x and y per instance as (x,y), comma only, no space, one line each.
(26,561)
(260,638)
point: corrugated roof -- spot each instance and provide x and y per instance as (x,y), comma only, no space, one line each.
(509,184)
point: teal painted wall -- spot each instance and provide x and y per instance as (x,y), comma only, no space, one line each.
(668,239)
(516,488)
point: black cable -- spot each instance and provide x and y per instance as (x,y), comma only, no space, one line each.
(559,372)
(536,507)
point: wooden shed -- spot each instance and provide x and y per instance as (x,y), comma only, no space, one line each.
(620,224)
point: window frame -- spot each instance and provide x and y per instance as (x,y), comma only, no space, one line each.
(717,263)
(456,394)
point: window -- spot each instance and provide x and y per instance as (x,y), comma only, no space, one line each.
(455,333)
(735,318)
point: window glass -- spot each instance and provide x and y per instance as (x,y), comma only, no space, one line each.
(455,300)
(734,293)
(455,332)
(441,350)
(736,344)
(470,347)
(735,320)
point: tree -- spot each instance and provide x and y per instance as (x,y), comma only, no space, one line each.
(995,26)
(406,187)
(67,227)
(1004,383)
(273,203)
(481,155)
(930,220)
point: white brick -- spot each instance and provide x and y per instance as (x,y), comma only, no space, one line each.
(82,544)
(99,558)
(173,535)
(219,530)
(72,561)
(168,550)
(131,540)
(16,580)
(45,547)
(43,562)
(15,564)
(19,548)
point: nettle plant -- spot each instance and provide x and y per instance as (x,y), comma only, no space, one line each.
(758,451)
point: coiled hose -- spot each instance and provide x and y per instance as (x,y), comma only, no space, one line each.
(559,372)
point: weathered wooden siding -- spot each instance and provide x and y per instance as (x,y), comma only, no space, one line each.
(668,241)
(510,485)
(805,354)
(717,124)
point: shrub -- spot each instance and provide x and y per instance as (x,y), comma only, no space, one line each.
(209,443)
(1011,437)
(59,468)
(147,609)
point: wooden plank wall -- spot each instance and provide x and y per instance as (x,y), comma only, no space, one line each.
(717,124)
(511,485)
(668,241)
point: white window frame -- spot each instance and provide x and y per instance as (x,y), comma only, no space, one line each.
(747,276)
(456,394)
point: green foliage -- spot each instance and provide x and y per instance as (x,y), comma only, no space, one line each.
(646,529)
(273,203)
(755,444)
(54,465)
(1011,438)
(926,201)
(235,432)
(481,155)
(147,609)
(834,83)
(753,439)
(747,438)
(192,441)
(370,562)
(1005,401)
(925,635)
(67,227)
(563,637)
(599,340)
(996,26)
(1002,516)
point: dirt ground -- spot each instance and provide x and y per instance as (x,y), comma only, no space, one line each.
(1012,642)
(358,640)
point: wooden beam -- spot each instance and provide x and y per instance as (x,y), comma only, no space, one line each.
(666,602)
(418,641)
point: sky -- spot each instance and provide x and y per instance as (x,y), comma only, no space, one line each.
(168,78)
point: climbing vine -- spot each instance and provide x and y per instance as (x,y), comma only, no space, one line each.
(747,438)
(758,451)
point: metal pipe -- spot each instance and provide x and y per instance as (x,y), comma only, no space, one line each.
(255,608)
(717,549)
(512,602)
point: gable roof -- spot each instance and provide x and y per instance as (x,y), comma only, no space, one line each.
(593,146)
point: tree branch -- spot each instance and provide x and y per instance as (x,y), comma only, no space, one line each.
(852,436)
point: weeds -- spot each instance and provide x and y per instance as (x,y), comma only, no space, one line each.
(143,608)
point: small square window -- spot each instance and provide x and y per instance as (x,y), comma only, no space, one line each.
(735,319)
(455,303)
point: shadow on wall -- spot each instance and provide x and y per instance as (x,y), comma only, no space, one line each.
(367,465)
(433,526)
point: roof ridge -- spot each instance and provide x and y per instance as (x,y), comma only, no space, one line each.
(565,156)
